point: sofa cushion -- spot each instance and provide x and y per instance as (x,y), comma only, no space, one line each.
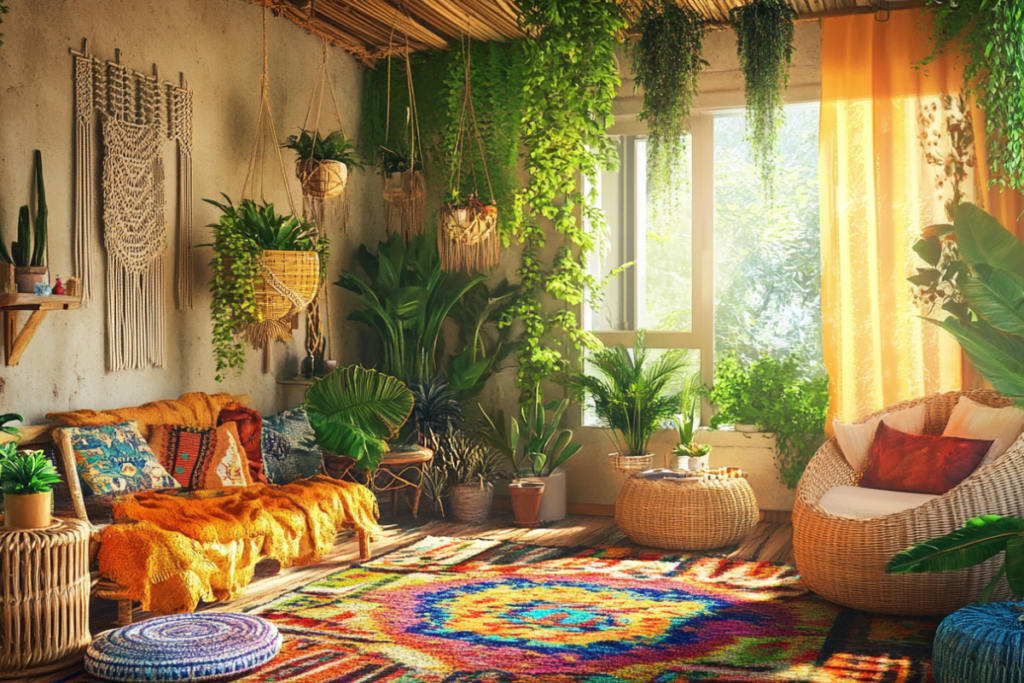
(249,424)
(855,439)
(201,459)
(857,502)
(114,459)
(970,420)
(277,463)
(920,463)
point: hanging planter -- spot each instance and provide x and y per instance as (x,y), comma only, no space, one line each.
(468,239)
(764,41)
(323,167)
(404,188)
(287,283)
(322,178)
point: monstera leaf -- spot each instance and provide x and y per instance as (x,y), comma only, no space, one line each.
(981,239)
(353,411)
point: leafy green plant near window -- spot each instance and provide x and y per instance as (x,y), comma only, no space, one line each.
(570,84)
(240,235)
(332,147)
(778,397)
(667,58)
(987,33)
(764,42)
(632,395)
(980,539)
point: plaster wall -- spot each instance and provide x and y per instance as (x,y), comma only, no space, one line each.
(217,44)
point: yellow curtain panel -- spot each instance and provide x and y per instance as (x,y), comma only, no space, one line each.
(897,151)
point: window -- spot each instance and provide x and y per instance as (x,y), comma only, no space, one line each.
(728,272)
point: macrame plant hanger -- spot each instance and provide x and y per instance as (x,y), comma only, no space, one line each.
(264,332)
(405,191)
(468,238)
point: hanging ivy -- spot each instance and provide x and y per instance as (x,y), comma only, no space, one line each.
(989,33)
(667,58)
(571,78)
(764,42)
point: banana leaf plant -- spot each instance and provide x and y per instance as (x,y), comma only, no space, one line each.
(406,298)
(486,340)
(988,314)
(533,444)
(979,539)
(354,411)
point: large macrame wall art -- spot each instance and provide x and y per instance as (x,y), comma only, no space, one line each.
(139,114)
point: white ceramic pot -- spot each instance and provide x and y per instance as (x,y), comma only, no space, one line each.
(552,501)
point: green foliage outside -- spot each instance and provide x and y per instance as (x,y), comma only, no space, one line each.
(778,396)
(980,539)
(239,237)
(986,37)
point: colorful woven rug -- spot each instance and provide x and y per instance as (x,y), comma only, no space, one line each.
(456,611)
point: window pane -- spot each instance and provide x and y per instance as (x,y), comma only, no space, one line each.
(655,293)
(767,257)
(691,360)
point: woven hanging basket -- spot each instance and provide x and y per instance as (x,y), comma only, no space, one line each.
(468,239)
(405,196)
(289,283)
(322,179)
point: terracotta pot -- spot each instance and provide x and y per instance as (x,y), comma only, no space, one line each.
(526,495)
(470,503)
(27,511)
(26,278)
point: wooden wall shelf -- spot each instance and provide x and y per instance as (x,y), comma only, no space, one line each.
(16,341)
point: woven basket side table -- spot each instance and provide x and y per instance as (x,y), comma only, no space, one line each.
(44,598)
(686,515)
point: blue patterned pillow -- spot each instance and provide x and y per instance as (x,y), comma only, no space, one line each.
(304,456)
(276,464)
(114,459)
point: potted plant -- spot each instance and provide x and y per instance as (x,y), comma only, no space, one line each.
(690,455)
(536,448)
(26,479)
(323,163)
(28,259)
(470,469)
(467,239)
(631,394)
(256,254)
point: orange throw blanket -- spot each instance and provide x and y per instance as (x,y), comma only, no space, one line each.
(194,409)
(183,550)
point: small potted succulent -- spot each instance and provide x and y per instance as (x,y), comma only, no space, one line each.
(323,163)
(26,479)
(471,469)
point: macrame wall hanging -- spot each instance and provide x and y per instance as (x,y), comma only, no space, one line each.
(468,239)
(139,114)
(401,166)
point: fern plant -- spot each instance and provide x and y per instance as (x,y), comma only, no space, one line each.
(334,147)
(26,473)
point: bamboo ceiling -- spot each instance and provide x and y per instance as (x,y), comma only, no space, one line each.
(371,29)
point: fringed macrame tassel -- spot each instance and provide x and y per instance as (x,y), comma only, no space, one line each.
(405,199)
(181,130)
(83,228)
(468,239)
(328,213)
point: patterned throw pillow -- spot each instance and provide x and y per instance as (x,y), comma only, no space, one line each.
(249,425)
(201,459)
(920,463)
(304,457)
(277,465)
(114,459)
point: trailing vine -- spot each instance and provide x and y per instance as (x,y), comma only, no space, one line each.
(764,42)
(667,58)
(989,33)
(571,78)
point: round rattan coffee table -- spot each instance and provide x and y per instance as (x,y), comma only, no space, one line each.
(44,598)
(679,514)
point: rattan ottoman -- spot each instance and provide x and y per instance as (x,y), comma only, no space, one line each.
(686,515)
(44,598)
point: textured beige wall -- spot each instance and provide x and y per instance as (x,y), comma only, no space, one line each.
(218,46)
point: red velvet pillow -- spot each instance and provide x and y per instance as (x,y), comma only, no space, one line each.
(920,463)
(250,429)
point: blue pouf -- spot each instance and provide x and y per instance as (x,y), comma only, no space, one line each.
(183,647)
(981,644)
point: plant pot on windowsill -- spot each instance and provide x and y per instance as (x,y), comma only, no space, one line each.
(749,428)
(631,463)
(526,495)
(471,503)
(27,510)
(27,277)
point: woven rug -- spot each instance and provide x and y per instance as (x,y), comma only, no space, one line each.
(456,610)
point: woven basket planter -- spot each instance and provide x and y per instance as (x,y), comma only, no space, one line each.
(297,272)
(631,463)
(322,179)
(468,239)
(471,504)
(694,514)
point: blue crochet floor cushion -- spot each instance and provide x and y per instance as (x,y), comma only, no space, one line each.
(981,644)
(183,647)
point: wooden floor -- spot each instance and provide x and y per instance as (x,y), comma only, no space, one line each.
(769,541)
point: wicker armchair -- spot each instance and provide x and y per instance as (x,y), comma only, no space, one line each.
(844,559)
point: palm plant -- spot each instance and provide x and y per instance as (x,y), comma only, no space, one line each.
(979,539)
(632,395)
(407,297)
(545,448)
(26,473)
(334,147)
(353,411)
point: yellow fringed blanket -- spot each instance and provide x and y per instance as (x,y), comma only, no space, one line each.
(182,550)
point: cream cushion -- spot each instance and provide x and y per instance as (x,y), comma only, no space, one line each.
(857,503)
(970,420)
(855,439)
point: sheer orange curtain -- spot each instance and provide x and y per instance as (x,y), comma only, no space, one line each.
(887,130)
